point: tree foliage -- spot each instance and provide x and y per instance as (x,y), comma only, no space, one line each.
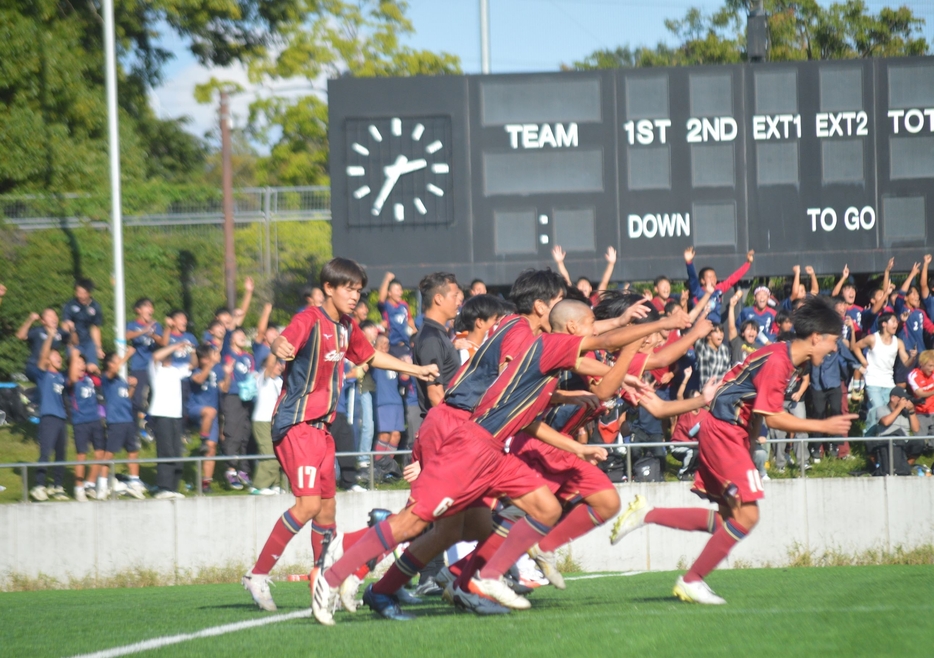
(798,30)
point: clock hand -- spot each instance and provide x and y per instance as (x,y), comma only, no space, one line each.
(392,172)
(413,165)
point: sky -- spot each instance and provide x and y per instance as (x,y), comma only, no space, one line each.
(525,35)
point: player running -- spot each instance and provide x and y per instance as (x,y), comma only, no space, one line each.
(315,345)
(752,391)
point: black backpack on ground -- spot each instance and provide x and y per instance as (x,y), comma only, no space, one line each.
(647,469)
(879,451)
(11,403)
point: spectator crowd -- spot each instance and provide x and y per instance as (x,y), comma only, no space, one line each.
(221,389)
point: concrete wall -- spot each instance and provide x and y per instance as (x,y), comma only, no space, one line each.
(63,540)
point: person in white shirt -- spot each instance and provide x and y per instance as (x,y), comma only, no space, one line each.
(166,411)
(268,386)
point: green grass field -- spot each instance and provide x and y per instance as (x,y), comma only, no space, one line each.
(844,611)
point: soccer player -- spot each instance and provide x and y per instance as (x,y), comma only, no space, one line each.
(471,464)
(82,315)
(396,315)
(35,337)
(53,430)
(121,428)
(846,289)
(751,392)
(85,420)
(315,344)
(761,314)
(662,290)
(143,334)
(209,380)
(921,382)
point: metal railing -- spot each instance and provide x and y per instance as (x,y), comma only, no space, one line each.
(800,449)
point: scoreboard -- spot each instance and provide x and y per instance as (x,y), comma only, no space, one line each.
(811,163)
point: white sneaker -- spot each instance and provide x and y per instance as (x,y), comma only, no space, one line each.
(177,494)
(334,552)
(348,592)
(258,587)
(545,561)
(39,494)
(120,488)
(696,592)
(498,591)
(80,495)
(58,493)
(632,518)
(323,598)
(475,603)
(357,488)
(136,489)
(165,494)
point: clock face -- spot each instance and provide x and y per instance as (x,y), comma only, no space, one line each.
(399,171)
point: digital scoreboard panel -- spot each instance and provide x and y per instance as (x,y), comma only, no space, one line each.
(810,163)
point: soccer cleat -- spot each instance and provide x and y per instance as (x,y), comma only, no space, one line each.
(448,594)
(444,578)
(39,493)
(696,592)
(429,588)
(521,586)
(631,519)
(406,597)
(545,561)
(475,603)
(385,605)
(258,587)
(497,590)
(323,598)
(136,489)
(233,481)
(80,495)
(333,550)
(348,592)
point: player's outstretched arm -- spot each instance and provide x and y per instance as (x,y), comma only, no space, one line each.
(386,361)
(608,272)
(740,272)
(630,315)
(671,353)
(835,426)
(23,332)
(925,289)
(554,438)
(668,408)
(839,285)
(614,340)
(558,254)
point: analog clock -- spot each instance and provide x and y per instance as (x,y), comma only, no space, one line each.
(398,171)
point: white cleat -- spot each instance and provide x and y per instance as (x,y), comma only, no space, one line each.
(444,578)
(545,561)
(258,587)
(80,494)
(136,489)
(39,494)
(348,592)
(474,602)
(334,551)
(323,598)
(632,518)
(499,591)
(696,592)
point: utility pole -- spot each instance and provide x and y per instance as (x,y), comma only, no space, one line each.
(230,260)
(757,34)
(485,37)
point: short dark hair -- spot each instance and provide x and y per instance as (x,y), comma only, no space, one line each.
(616,302)
(703,272)
(110,356)
(142,301)
(817,316)
(204,350)
(366,324)
(478,307)
(749,323)
(661,278)
(575,293)
(475,282)
(848,284)
(536,285)
(782,316)
(177,311)
(885,317)
(220,310)
(215,323)
(85,283)
(671,306)
(342,272)
(431,285)
(395,282)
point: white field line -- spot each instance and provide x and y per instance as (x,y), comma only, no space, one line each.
(159,642)
(616,574)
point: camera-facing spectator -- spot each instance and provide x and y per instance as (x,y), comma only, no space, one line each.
(82,315)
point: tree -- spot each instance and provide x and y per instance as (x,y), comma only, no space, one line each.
(801,30)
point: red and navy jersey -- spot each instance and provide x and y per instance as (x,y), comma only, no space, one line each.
(396,317)
(511,337)
(764,318)
(524,388)
(312,381)
(757,385)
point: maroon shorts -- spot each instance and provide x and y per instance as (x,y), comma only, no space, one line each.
(470,464)
(725,460)
(439,422)
(566,475)
(306,454)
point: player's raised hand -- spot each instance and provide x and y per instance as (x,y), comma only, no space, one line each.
(633,313)
(846,271)
(702,328)
(734,300)
(33,317)
(283,349)
(838,425)
(635,386)
(890,265)
(710,389)
(915,268)
(558,253)
(927,259)
(677,320)
(848,321)
(689,255)
(411,472)
(591,453)
(389,276)
(809,270)
(750,255)
(428,373)
(796,270)
(610,255)
(248,285)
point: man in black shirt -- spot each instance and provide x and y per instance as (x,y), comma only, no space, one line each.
(432,343)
